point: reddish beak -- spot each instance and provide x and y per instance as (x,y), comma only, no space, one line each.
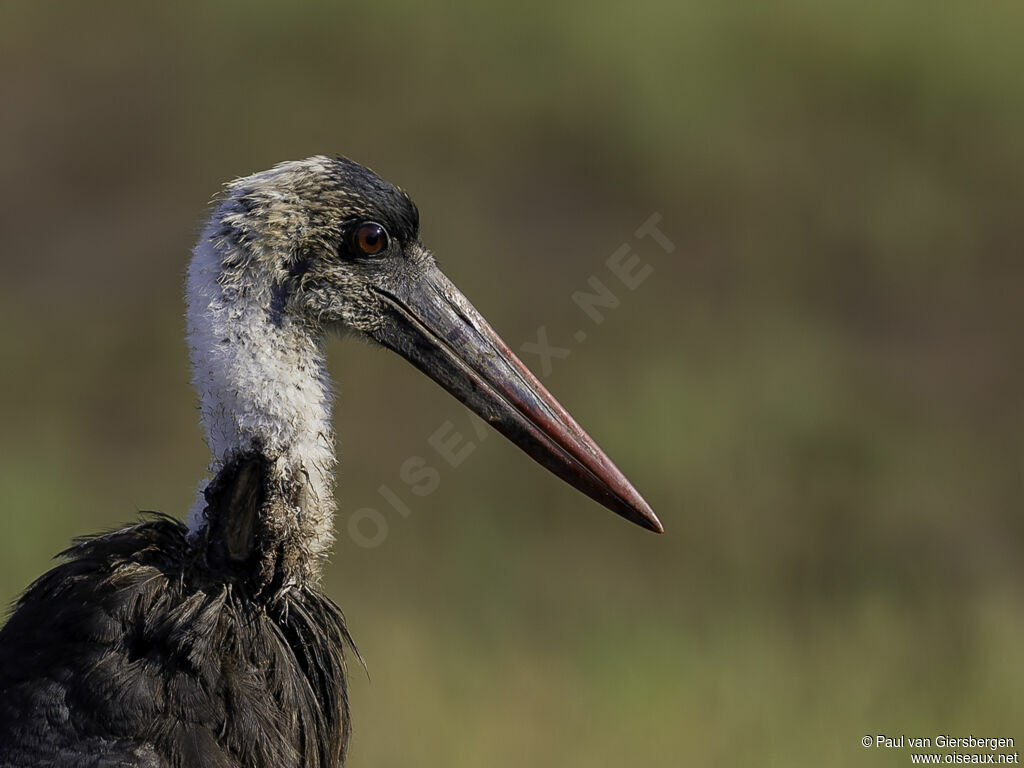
(431,324)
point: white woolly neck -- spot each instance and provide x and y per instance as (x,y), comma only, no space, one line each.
(262,384)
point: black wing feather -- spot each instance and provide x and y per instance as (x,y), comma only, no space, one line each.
(133,652)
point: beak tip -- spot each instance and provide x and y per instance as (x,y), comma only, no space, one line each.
(650,520)
(640,512)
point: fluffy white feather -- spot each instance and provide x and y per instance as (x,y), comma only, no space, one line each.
(262,382)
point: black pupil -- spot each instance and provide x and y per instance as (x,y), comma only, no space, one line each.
(371,237)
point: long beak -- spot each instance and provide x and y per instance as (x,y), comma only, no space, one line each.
(431,324)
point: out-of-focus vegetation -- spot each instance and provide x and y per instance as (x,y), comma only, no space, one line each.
(820,390)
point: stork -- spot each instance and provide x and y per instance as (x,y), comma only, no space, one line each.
(209,643)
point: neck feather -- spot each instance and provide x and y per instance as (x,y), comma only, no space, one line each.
(263,387)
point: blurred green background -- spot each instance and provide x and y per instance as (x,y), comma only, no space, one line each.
(819,390)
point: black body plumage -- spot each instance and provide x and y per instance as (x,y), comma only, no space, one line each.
(147,648)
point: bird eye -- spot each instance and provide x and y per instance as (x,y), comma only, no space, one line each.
(371,238)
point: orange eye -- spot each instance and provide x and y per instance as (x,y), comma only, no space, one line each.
(371,238)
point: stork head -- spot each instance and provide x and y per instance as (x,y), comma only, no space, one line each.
(329,245)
